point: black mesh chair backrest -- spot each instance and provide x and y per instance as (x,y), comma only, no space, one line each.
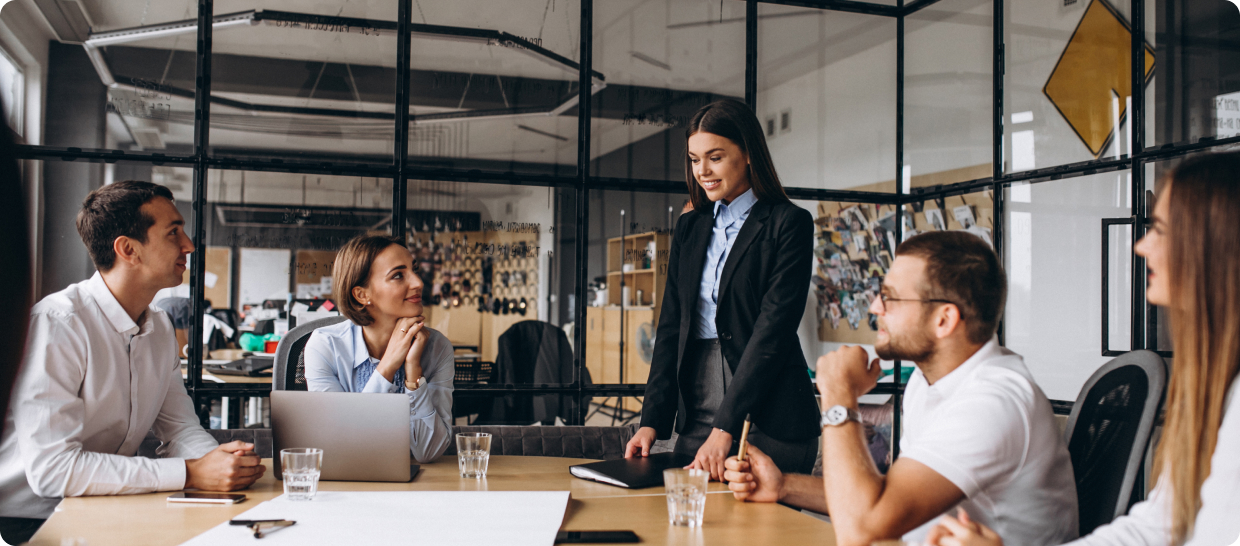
(1108,433)
(574,442)
(290,349)
(228,317)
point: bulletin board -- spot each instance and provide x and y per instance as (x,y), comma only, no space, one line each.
(314,273)
(950,211)
(218,281)
(854,246)
(853,249)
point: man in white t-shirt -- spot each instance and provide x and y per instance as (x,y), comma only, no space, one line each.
(978,432)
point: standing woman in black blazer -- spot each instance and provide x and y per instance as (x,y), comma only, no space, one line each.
(737,279)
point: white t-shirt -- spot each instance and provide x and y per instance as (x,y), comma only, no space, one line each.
(989,429)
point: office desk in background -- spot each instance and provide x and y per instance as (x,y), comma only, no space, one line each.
(232,413)
(150,520)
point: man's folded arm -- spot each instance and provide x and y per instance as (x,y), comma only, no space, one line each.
(177,426)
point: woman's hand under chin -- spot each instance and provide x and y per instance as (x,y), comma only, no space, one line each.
(413,357)
(395,355)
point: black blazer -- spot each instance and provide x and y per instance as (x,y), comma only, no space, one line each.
(762,293)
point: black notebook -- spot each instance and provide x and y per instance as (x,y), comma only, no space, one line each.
(634,473)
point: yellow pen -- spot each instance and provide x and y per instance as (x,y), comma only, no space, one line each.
(740,455)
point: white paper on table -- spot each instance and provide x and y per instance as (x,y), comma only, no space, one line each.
(460,518)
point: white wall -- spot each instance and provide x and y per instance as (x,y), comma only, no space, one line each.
(842,108)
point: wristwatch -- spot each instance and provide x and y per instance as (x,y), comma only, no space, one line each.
(421,382)
(838,415)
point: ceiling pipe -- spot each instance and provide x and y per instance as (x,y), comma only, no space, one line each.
(346,24)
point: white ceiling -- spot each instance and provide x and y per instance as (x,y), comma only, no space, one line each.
(667,44)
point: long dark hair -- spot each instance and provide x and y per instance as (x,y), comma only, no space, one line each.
(733,120)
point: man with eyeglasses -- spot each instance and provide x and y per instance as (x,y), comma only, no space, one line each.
(979,435)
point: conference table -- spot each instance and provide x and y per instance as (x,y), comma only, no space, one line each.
(150,520)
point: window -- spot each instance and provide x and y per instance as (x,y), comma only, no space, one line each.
(12,92)
(533,189)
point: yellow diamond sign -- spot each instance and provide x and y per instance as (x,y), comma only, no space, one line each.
(1094,68)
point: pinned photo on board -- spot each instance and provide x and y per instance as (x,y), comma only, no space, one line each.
(909,230)
(964,215)
(982,233)
(855,218)
(934,217)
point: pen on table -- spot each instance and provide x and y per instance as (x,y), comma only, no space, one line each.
(740,455)
(258,526)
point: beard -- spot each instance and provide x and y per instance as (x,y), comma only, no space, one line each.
(915,346)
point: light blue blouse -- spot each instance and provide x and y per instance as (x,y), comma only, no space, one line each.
(336,355)
(728,221)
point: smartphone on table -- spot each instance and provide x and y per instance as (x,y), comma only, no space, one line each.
(596,537)
(208,498)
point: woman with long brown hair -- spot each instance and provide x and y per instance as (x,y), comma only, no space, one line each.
(737,280)
(1193,254)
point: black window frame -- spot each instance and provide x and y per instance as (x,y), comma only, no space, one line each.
(583,182)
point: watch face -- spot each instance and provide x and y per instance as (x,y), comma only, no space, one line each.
(837,415)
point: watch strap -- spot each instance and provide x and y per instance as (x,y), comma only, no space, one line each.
(850,415)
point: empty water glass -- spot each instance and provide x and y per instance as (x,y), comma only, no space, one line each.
(686,495)
(301,466)
(473,453)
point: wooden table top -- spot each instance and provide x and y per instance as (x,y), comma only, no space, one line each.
(149,519)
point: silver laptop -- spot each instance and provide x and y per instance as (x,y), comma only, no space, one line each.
(364,436)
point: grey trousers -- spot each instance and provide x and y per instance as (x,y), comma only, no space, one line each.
(711,377)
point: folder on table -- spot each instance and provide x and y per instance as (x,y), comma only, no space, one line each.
(634,473)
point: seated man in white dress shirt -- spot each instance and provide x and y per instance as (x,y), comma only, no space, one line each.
(978,432)
(102,368)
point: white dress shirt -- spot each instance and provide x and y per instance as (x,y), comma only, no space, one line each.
(92,384)
(1148,523)
(333,352)
(987,428)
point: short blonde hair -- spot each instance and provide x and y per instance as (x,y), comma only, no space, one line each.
(352,269)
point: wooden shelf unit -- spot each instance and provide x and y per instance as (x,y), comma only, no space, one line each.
(621,321)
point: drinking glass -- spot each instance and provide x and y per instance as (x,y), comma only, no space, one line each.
(473,453)
(301,467)
(686,495)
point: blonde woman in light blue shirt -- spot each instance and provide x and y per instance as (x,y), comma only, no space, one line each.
(384,347)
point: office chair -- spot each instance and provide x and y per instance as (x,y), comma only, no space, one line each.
(290,349)
(231,318)
(1108,433)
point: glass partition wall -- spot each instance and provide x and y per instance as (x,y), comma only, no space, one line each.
(532,159)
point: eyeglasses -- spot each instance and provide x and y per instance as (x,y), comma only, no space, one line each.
(887,299)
